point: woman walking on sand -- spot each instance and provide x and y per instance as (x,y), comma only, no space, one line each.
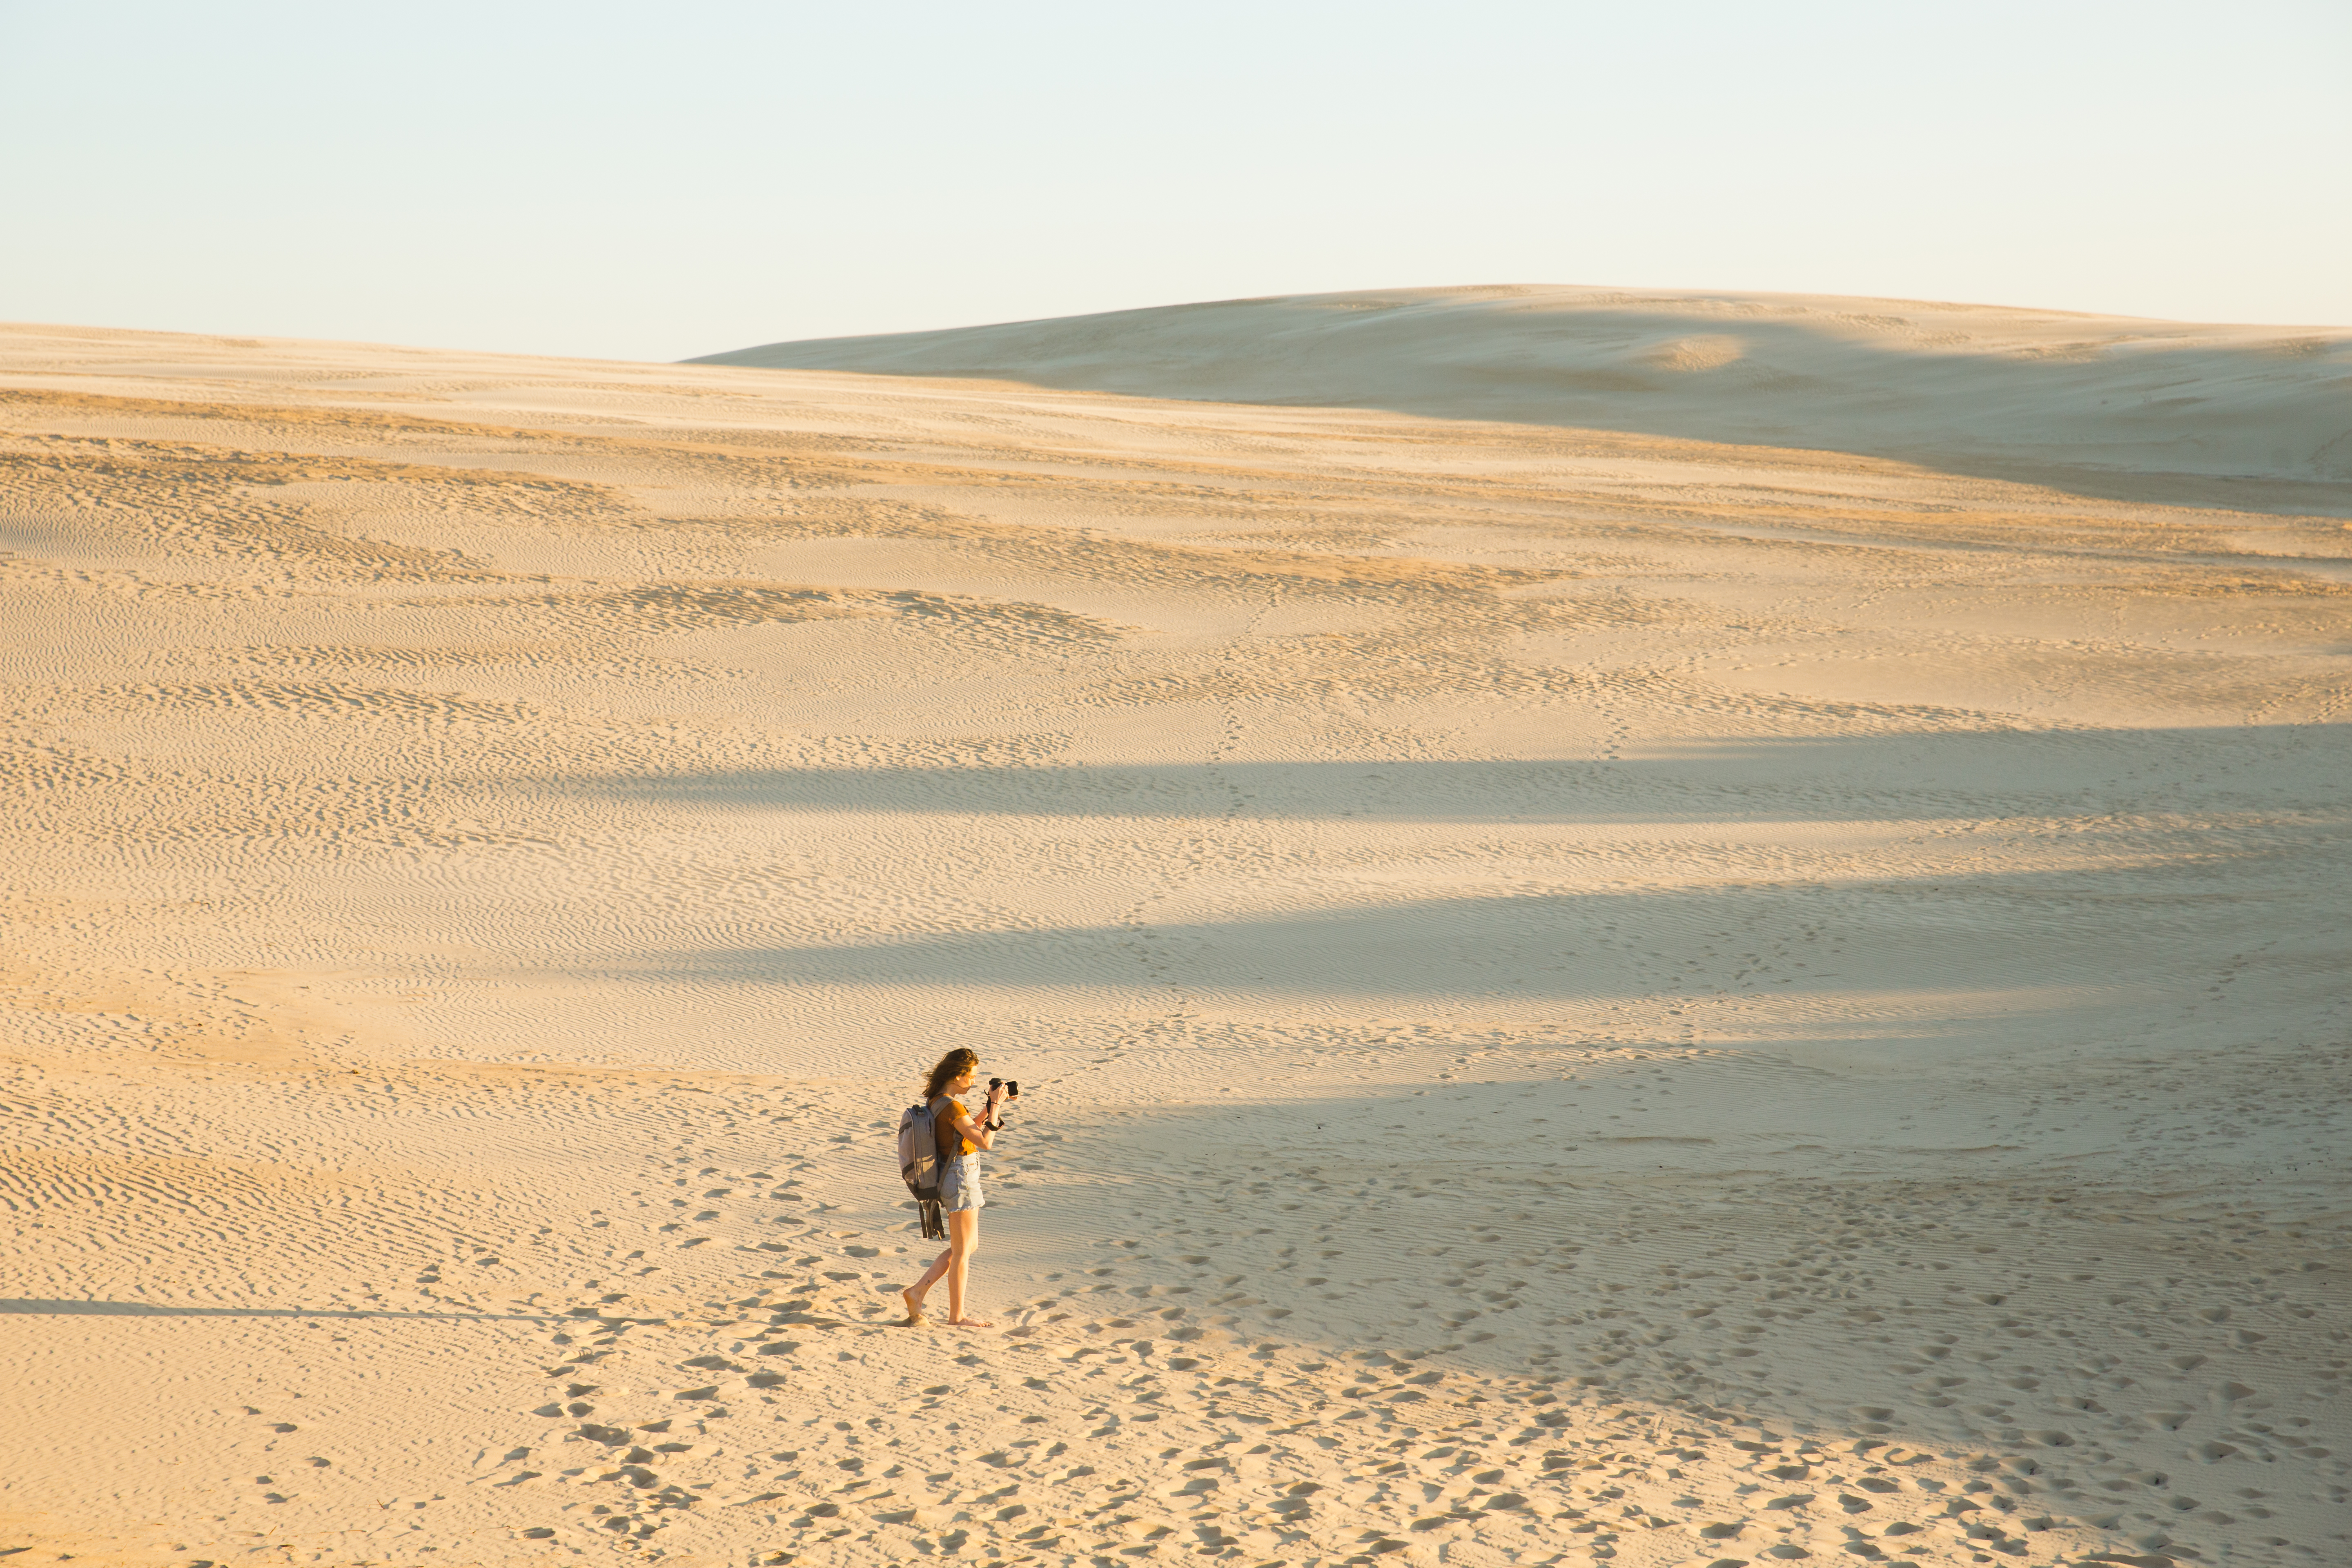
(961,1140)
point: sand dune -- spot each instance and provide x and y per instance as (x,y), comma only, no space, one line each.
(1969,388)
(1590,996)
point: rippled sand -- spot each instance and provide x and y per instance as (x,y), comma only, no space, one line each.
(1585,996)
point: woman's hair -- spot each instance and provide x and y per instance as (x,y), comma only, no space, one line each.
(952,1066)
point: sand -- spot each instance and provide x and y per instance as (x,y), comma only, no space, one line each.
(2109,406)
(1587,995)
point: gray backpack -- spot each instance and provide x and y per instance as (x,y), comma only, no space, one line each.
(918,1165)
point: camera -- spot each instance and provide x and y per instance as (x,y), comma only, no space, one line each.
(1011,1087)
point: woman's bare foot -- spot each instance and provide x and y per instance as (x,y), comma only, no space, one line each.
(970,1323)
(915,1319)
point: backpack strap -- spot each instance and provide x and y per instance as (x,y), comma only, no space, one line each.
(948,1141)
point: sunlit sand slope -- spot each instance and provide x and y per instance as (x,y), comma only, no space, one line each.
(1587,996)
(1980,388)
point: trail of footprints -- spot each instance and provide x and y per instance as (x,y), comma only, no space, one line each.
(1551,1377)
(1263,1452)
(795,1420)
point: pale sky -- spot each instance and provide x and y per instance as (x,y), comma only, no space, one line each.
(656,182)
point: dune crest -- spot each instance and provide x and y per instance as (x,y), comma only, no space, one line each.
(1977,388)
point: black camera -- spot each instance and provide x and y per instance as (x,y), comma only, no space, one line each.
(1012,1088)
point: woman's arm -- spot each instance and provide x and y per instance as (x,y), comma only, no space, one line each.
(976,1133)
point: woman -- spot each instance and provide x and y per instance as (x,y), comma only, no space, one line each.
(959,1194)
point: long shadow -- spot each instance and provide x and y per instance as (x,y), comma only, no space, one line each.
(2139,411)
(1911,776)
(2017,943)
(35,1306)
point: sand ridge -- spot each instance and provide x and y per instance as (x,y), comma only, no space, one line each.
(2123,404)
(1588,995)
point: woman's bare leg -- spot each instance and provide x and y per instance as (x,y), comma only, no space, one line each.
(963,1240)
(913,1294)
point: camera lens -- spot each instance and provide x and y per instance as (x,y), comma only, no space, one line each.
(1012,1088)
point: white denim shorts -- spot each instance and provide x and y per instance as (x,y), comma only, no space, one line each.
(960,1187)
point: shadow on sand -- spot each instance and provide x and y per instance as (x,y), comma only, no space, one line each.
(1906,777)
